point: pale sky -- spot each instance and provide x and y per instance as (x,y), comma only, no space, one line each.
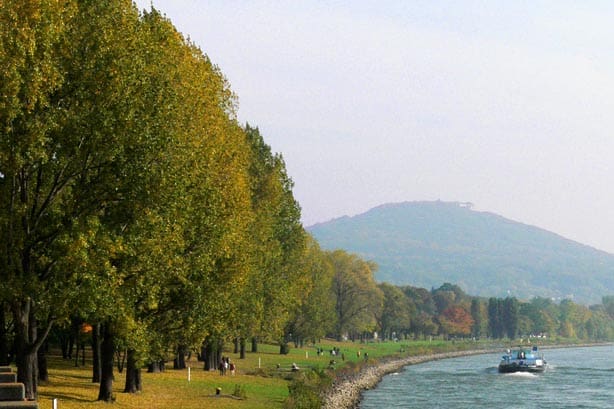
(505,104)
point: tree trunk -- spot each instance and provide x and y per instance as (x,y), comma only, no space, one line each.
(121,360)
(64,340)
(254,344)
(26,373)
(179,361)
(155,366)
(203,351)
(4,340)
(43,372)
(218,351)
(77,345)
(96,353)
(133,374)
(27,342)
(242,349)
(212,354)
(107,349)
(236,345)
(71,343)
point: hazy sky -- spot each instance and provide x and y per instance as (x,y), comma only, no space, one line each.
(506,104)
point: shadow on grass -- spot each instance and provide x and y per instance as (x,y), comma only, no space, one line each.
(68,398)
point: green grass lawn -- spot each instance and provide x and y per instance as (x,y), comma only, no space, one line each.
(264,385)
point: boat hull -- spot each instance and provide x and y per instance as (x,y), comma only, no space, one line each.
(512,368)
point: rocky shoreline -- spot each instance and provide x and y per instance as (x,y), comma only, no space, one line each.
(346,393)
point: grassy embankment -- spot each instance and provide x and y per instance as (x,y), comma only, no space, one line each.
(263,387)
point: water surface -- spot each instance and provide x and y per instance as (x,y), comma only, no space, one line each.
(575,378)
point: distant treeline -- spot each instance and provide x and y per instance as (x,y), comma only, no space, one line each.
(358,307)
(447,311)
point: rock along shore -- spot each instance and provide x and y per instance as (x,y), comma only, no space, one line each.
(346,393)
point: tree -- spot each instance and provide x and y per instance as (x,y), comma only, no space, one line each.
(543,314)
(509,316)
(455,320)
(276,286)
(600,325)
(29,31)
(422,299)
(313,318)
(478,316)
(357,298)
(495,325)
(395,316)
(443,299)
(423,325)
(573,318)
(197,232)
(608,303)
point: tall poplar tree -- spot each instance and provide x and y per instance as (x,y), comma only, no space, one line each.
(276,283)
(477,315)
(494,318)
(197,226)
(510,317)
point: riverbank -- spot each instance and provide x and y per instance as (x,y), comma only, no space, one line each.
(346,392)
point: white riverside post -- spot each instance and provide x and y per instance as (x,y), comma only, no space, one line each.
(306,354)
(54,403)
(258,362)
(189,374)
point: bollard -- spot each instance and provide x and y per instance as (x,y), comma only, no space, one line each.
(54,403)
(189,374)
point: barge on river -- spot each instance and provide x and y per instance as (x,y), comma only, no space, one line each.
(522,360)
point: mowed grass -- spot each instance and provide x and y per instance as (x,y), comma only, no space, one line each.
(264,385)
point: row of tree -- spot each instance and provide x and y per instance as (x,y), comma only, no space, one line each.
(130,197)
(447,311)
(131,200)
(357,307)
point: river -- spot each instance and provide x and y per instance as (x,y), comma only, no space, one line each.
(575,378)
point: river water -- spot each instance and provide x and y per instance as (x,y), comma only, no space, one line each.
(575,378)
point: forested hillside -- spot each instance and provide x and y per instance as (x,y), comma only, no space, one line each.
(429,243)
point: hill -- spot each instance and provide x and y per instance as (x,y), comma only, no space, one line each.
(425,244)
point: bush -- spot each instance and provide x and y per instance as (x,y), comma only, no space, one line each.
(305,389)
(239,392)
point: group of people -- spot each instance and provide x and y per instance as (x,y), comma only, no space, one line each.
(225,366)
(337,352)
(333,352)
